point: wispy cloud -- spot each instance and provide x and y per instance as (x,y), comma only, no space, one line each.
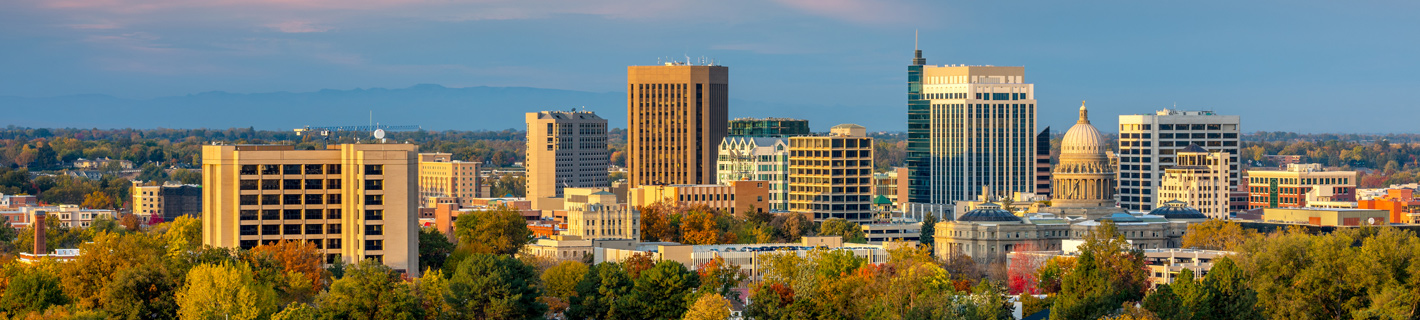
(94,26)
(860,11)
(297,27)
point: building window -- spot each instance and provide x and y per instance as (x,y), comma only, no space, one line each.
(292,229)
(374,214)
(313,213)
(332,214)
(313,169)
(291,214)
(292,199)
(247,185)
(249,229)
(270,169)
(248,244)
(291,169)
(291,184)
(248,169)
(270,229)
(332,184)
(248,215)
(270,214)
(313,229)
(374,184)
(374,229)
(332,243)
(374,169)
(332,199)
(270,199)
(271,184)
(333,228)
(314,198)
(374,199)
(374,244)
(316,184)
(248,200)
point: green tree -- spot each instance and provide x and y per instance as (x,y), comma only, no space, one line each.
(491,286)
(605,293)
(142,292)
(851,232)
(560,282)
(33,289)
(662,292)
(720,277)
(225,291)
(1107,274)
(1162,301)
(433,288)
(929,229)
(186,176)
(369,290)
(152,172)
(434,248)
(499,231)
(297,311)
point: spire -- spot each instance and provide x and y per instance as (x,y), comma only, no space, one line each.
(1084,114)
(917,53)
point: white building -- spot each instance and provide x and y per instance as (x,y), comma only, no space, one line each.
(1199,179)
(1148,143)
(757,158)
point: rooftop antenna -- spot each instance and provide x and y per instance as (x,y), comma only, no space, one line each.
(915,34)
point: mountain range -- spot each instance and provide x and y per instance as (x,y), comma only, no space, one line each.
(430,106)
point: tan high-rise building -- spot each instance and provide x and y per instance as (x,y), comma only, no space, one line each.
(832,177)
(677,115)
(352,201)
(440,176)
(566,149)
(1200,179)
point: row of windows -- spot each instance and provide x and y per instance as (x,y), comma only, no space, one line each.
(289,184)
(290,199)
(289,214)
(290,169)
(290,229)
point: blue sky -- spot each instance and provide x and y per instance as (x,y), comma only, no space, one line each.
(1309,66)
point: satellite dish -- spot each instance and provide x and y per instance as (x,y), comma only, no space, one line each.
(1371,221)
(379,133)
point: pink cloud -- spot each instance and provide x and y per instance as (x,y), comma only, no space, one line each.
(297,27)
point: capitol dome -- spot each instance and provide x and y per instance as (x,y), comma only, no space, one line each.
(989,212)
(1174,209)
(1083,137)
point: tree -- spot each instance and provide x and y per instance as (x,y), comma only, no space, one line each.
(142,292)
(433,290)
(1233,295)
(7,236)
(560,283)
(792,226)
(1217,235)
(151,172)
(186,176)
(33,289)
(929,229)
(1162,301)
(225,291)
(709,307)
(661,292)
(434,248)
(720,277)
(851,232)
(1107,273)
(97,200)
(495,287)
(85,278)
(700,226)
(498,231)
(605,293)
(369,290)
(299,260)
(130,222)
(297,311)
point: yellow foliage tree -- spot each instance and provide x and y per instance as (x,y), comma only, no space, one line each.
(709,307)
(225,291)
(1217,235)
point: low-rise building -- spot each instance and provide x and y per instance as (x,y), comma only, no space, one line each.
(737,197)
(1326,216)
(879,233)
(1289,188)
(166,202)
(595,214)
(440,176)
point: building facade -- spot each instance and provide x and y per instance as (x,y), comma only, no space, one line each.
(760,159)
(677,114)
(832,176)
(1289,188)
(565,149)
(969,127)
(352,201)
(595,214)
(737,197)
(166,201)
(1199,178)
(1148,143)
(890,187)
(769,127)
(440,176)
(1042,163)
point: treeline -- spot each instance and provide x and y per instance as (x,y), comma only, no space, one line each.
(1381,162)
(703,225)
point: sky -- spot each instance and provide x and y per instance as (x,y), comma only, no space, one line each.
(1304,66)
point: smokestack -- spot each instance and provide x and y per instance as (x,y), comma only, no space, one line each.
(39,233)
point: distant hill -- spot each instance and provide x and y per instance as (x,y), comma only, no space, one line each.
(434,107)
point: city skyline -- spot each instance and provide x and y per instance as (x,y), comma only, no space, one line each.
(1255,60)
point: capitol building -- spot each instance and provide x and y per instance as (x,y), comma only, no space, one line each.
(1083,197)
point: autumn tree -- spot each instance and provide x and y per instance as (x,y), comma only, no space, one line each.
(32,289)
(1217,235)
(560,284)
(225,291)
(720,277)
(296,258)
(85,277)
(1107,273)
(432,288)
(661,292)
(792,226)
(491,286)
(850,231)
(142,292)
(370,290)
(701,225)
(498,231)
(661,222)
(708,307)
(98,200)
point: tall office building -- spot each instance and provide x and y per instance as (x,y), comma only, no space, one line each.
(566,149)
(762,159)
(769,127)
(832,176)
(968,127)
(1198,179)
(677,115)
(1042,163)
(352,201)
(1147,144)
(440,176)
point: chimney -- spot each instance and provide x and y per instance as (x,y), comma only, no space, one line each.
(39,233)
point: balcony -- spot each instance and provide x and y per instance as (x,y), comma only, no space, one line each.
(314,169)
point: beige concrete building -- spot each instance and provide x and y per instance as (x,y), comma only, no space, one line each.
(595,214)
(737,197)
(1289,188)
(166,201)
(566,149)
(1148,143)
(1330,217)
(1200,179)
(352,201)
(440,176)
(677,114)
(832,176)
